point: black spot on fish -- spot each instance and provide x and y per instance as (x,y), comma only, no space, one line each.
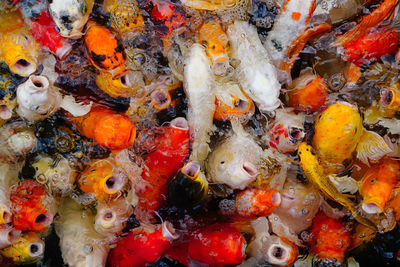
(98,59)
(277,45)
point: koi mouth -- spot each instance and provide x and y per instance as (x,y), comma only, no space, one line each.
(35,249)
(24,67)
(180,123)
(287,196)
(386,97)
(191,169)
(160,99)
(250,169)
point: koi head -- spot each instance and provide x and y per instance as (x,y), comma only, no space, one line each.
(330,238)
(27,249)
(390,99)
(238,106)
(70,16)
(216,42)
(219,244)
(281,252)
(104,49)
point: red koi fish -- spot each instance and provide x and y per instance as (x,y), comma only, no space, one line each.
(169,18)
(330,238)
(160,165)
(254,202)
(372,46)
(30,206)
(142,246)
(44,30)
(219,244)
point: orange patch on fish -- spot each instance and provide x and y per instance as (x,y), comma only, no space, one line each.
(296,15)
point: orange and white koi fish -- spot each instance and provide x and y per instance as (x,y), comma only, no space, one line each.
(308,93)
(290,24)
(378,184)
(216,41)
(257,76)
(102,179)
(18,47)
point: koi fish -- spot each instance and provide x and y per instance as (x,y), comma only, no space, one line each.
(308,93)
(169,18)
(143,245)
(102,179)
(31,206)
(235,161)
(108,128)
(70,16)
(315,174)
(378,184)
(8,235)
(272,249)
(104,49)
(231,102)
(288,25)
(111,217)
(125,15)
(387,106)
(37,99)
(256,74)
(80,244)
(189,187)
(123,85)
(254,202)
(339,132)
(219,244)
(367,22)
(44,30)
(216,42)
(372,46)
(160,165)
(199,90)
(18,47)
(286,131)
(299,204)
(56,173)
(26,249)
(330,238)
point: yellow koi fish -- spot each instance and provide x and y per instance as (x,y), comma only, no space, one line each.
(315,174)
(339,132)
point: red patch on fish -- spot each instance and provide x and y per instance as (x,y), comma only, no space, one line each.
(29,206)
(168,18)
(140,247)
(218,244)
(372,46)
(330,238)
(254,202)
(296,15)
(161,165)
(276,131)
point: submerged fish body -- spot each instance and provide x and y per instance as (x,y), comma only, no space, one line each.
(235,161)
(330,238)
(256,74)
(219,244)
(286,131)
(71,16)
(199,90)
(339,132)
(160,165)
(292,20)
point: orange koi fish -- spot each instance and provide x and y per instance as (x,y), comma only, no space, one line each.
(216,41)
(30,206)
(162,164)
(102,179)
(143,245)
(388,105)
(368,22)
(116,86)
(18,47)
(108,128)
(254,202)
(219,244)
(378,184)
(372,46)
(330,238)
(104,49)
(308,93)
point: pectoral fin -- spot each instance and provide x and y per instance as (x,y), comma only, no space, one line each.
(372,146)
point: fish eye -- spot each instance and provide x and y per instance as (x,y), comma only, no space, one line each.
(222,162)
(213,47)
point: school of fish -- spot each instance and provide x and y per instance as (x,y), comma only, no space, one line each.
(199,133)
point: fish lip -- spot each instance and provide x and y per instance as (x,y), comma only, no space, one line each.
(249,169)
(386,96)
(35,249)
(169,232)
(160,99)
(284,195)
(371,207)
(114,183)
(191,169)
(39,83)
(180,123)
